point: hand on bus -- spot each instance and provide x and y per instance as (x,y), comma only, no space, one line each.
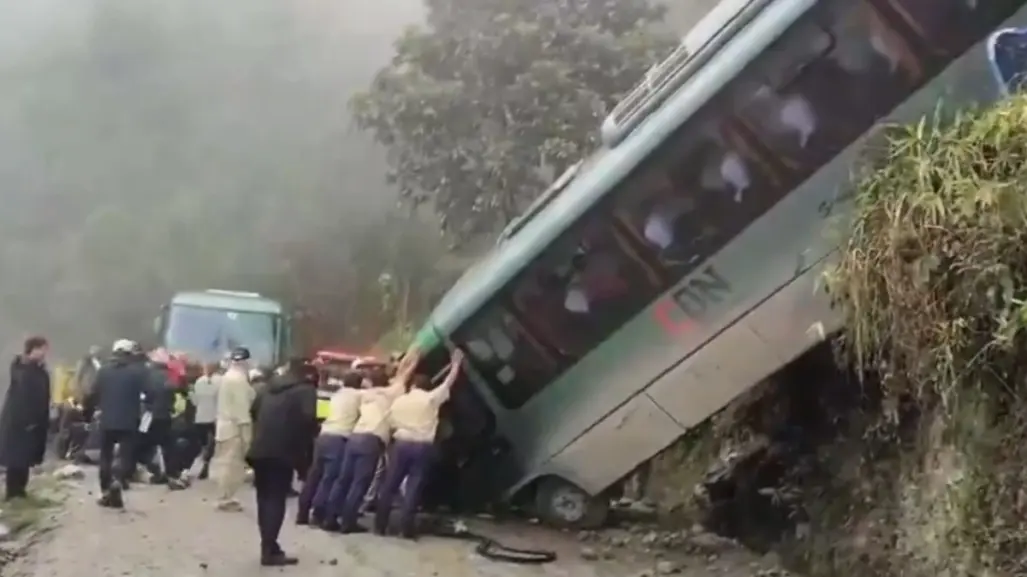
(409,361)
(456,358)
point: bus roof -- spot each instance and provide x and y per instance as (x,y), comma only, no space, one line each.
(610,165)
(241,302)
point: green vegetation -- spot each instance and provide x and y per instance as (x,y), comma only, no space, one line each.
(19,515)
(933,285)
(484,105)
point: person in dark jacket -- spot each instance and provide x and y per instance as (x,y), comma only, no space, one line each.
(25,418)
(283,414)
(85,373)
(116,395)
(160,397)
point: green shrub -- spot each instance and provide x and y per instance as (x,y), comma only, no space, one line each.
(933,286)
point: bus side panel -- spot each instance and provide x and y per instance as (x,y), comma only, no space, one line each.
(795,318)
(725,368)
(601,457)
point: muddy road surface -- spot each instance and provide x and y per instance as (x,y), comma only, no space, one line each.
(179,534)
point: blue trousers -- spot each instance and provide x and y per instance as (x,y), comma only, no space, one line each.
(411,461)
(329,451)
(362,454)
(324,469)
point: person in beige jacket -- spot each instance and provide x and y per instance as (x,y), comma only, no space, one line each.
(233,429)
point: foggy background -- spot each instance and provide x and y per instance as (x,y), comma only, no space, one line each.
(144,143)
(149,146)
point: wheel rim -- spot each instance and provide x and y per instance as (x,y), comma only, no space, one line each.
(569,504)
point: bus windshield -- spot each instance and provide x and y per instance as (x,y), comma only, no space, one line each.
(209,333)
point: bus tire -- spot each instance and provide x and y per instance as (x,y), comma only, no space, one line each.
(563,504)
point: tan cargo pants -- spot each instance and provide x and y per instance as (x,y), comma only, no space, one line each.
(229,465)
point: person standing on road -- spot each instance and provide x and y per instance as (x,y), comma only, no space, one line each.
(414,418)
(204,396)
(329,450)
(85,374)
(310,377)
(283,415)
(233,428)
(25,418)
(160,403)
(364,448)
(116,394)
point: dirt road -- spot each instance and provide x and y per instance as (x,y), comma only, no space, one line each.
(164,534)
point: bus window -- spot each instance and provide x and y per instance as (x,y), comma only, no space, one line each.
(513,366)
(949,27)
(825,82)
(582,289)
(696,193)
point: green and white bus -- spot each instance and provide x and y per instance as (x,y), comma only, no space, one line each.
(206,325)
(677,267)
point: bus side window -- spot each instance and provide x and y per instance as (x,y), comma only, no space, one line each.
(823,84)
(697,192)
(949,27)
(583,288)
(513,366)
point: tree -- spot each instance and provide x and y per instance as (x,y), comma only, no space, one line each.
(481,107)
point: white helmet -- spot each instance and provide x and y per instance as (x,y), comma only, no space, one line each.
(123,346)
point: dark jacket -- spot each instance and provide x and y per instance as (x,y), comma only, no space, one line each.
(85,376)
(160,392)
(284,421)
(25,417)
(117,393)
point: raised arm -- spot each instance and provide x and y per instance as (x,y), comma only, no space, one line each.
(440,393)
(399,383)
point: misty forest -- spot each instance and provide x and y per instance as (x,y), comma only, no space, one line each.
(349,158)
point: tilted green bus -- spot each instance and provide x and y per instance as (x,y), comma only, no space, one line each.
(205,325)
(677,267)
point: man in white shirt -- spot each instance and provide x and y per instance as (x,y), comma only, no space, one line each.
(330,450)
(204,396)
(414,417)
(365,447)
(233,428)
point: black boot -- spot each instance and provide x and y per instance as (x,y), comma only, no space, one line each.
(277,558)
(112,498)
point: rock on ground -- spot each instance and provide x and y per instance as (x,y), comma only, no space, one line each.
(165,534)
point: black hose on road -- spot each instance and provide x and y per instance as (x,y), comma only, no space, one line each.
(486,546)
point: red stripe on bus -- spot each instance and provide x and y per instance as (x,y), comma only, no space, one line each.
(662,312)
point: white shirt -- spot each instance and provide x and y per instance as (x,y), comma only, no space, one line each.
(415,415)
(343,412)
(375,404)
(205,398)
(659,229)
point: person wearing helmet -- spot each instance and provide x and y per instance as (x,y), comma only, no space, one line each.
(116,392)
(233,428)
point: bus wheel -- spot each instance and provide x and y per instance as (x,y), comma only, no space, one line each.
(562,504)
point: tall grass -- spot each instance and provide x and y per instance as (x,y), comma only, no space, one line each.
(933,285)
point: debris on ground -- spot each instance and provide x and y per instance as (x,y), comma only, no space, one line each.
(69,472)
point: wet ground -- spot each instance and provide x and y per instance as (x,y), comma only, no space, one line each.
(165,534)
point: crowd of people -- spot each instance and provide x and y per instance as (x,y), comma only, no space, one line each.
(374,447)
